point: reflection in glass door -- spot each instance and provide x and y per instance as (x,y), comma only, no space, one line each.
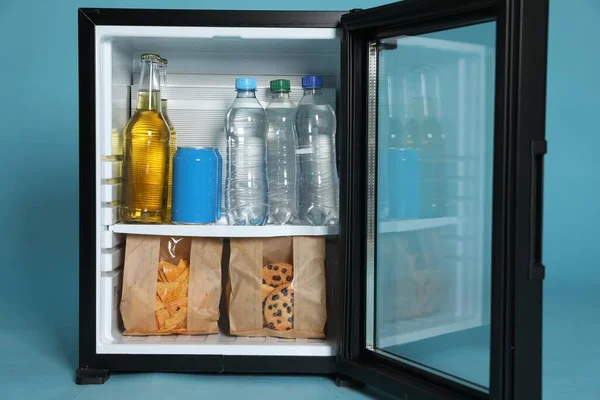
(429,200)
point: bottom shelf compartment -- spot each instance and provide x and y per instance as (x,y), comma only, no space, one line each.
(111,340)
(217,344)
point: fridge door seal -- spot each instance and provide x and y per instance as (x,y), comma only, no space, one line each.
(95,367)
(519,146)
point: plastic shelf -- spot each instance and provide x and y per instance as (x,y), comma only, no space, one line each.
(221,230)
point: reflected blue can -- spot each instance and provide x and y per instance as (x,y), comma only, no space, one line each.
(196,185)
(403,183)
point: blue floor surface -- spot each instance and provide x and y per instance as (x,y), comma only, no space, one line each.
(38,358)
(38,361)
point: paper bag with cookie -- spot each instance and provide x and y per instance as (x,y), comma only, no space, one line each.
(276,287)
(411,266)
(171,285)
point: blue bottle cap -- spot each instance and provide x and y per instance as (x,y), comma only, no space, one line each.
(245,84)
(312,82)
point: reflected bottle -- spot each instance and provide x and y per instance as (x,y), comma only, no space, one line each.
(403,167)
(162,71)
(146,152)
(430,141)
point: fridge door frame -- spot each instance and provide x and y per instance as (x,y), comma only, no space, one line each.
(519,147)
(94,367)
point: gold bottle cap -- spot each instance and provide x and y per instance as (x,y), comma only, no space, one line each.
(151,56)
(164,61)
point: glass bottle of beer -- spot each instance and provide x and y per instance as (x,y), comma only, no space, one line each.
(146,152)
(173,139)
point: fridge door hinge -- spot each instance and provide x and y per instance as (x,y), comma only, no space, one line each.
(539,148)
(387,45)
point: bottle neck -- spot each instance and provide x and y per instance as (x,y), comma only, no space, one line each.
(312,91)
(149,101)
(246,94)
(162,74)
(149,87)
(281,95)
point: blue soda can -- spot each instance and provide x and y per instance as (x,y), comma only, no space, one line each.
(220,174)
(196,185)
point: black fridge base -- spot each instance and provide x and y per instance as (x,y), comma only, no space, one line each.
(110,363)
(91,376)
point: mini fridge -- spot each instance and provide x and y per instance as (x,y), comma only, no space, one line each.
(427,297)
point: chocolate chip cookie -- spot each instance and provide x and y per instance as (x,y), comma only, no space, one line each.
(276,274)
(279,308)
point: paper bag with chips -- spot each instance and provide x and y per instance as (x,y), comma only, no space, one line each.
(276,287)
(171,285)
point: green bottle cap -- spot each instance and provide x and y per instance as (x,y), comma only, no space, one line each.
(280,85)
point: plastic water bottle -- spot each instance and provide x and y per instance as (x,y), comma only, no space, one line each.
(281,154)
(317,174)
(246,184)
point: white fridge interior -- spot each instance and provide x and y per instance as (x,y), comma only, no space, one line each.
(203,64)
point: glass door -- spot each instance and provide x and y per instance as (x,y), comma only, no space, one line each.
(442,203)
(430,200)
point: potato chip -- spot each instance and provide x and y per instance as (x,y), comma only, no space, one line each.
(161,276)
(178,320)
(171,271)
(171,292)
(168,291)
(183,288)
(184,277)
(161,317)
(175,305)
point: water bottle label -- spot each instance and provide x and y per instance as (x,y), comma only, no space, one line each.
(308,150)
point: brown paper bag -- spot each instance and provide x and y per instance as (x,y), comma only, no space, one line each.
(304,295)
(171,285)
(410,275)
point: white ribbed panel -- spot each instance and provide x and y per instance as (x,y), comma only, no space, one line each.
(118,87)
(109,288)
(112,258)
(198,109)
(120,94)
(110,169)
(110,192)
(110,239)
(108,216)
(227,81)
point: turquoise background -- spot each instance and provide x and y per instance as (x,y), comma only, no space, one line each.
(39,202)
